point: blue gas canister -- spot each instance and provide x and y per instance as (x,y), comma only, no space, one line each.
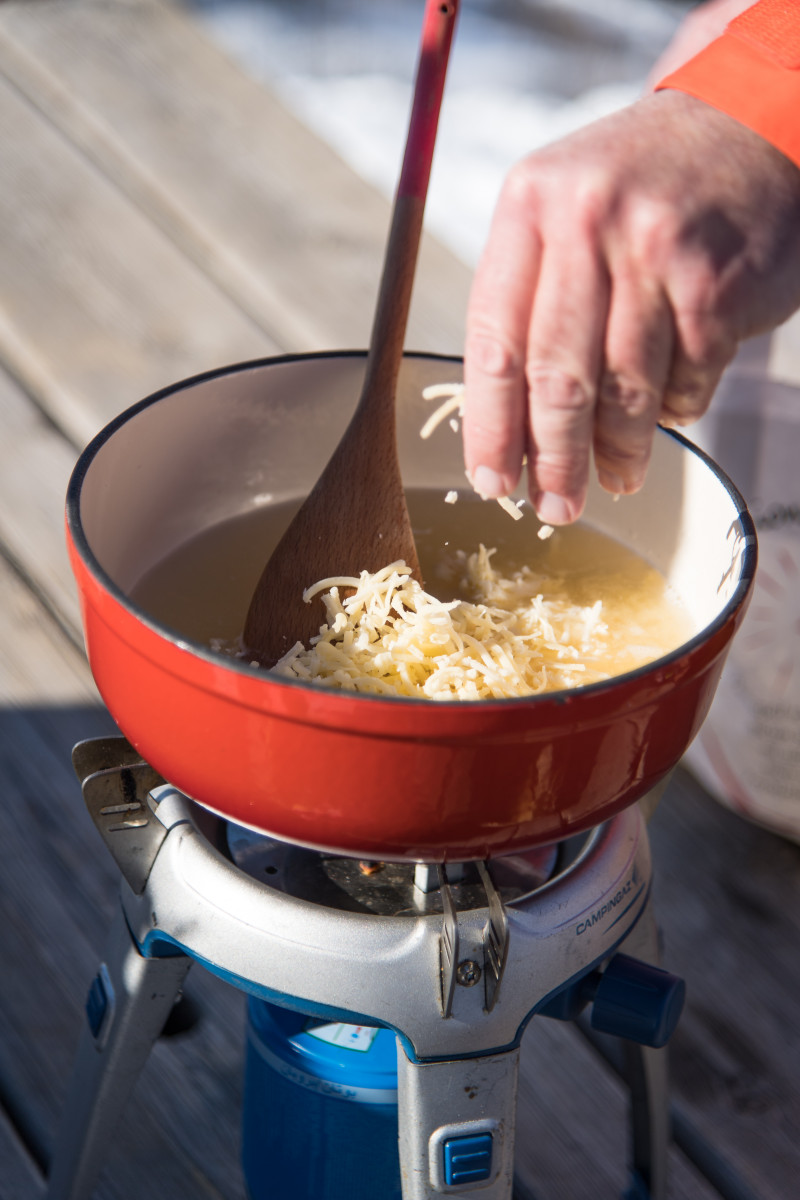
(320,1109)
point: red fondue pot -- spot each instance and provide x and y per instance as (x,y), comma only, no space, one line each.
(378,778)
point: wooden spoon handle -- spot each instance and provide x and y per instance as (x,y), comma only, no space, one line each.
(355,517)
(437,34)
(397,278)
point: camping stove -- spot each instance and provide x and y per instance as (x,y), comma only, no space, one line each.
(453,959)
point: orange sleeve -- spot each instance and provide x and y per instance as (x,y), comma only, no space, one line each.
(752,73)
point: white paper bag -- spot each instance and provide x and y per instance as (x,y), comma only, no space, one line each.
(748,752)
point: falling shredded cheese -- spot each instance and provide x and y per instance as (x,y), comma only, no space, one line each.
(388,636)
(508,505)
(452,396)
(453,405)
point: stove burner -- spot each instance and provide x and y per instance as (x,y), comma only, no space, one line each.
(391,888)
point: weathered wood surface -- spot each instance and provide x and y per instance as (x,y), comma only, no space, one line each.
(20,1177)
(205,225)
(161,214)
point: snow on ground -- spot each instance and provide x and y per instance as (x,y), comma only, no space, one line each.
(522,73)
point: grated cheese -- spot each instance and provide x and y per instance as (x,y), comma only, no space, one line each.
(453,405)
(390,637)
(452,396)
(508,505)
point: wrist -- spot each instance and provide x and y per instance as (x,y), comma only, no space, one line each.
(752,73)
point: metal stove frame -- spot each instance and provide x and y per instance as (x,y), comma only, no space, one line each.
(458,988)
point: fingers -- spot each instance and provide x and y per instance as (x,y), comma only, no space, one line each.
(590,359)
(533,354)
(565,356)
(639,356)
(703,280)
(495,406)
(541,333)
(690,390)
(703,349)
(663,363)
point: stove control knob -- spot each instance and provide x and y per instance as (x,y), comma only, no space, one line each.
(637,1001)
(100,1006)
(467,1159)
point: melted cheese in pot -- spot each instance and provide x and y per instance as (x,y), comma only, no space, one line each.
(388,636)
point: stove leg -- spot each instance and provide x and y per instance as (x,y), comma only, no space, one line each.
(645,1071)
(456,1126)
(129,1001)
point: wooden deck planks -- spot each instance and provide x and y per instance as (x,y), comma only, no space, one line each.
(99,307)
(35,465)
(727,898)
(299,249)
(20,1176)
(572,1131)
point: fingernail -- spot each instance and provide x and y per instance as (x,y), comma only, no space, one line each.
(611,482)
(488,483)
(552,509)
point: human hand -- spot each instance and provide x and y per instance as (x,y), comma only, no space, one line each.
(624,265)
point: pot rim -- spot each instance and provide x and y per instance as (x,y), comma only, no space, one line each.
(239,667)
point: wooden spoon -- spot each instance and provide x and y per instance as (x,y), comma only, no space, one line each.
(355,518)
